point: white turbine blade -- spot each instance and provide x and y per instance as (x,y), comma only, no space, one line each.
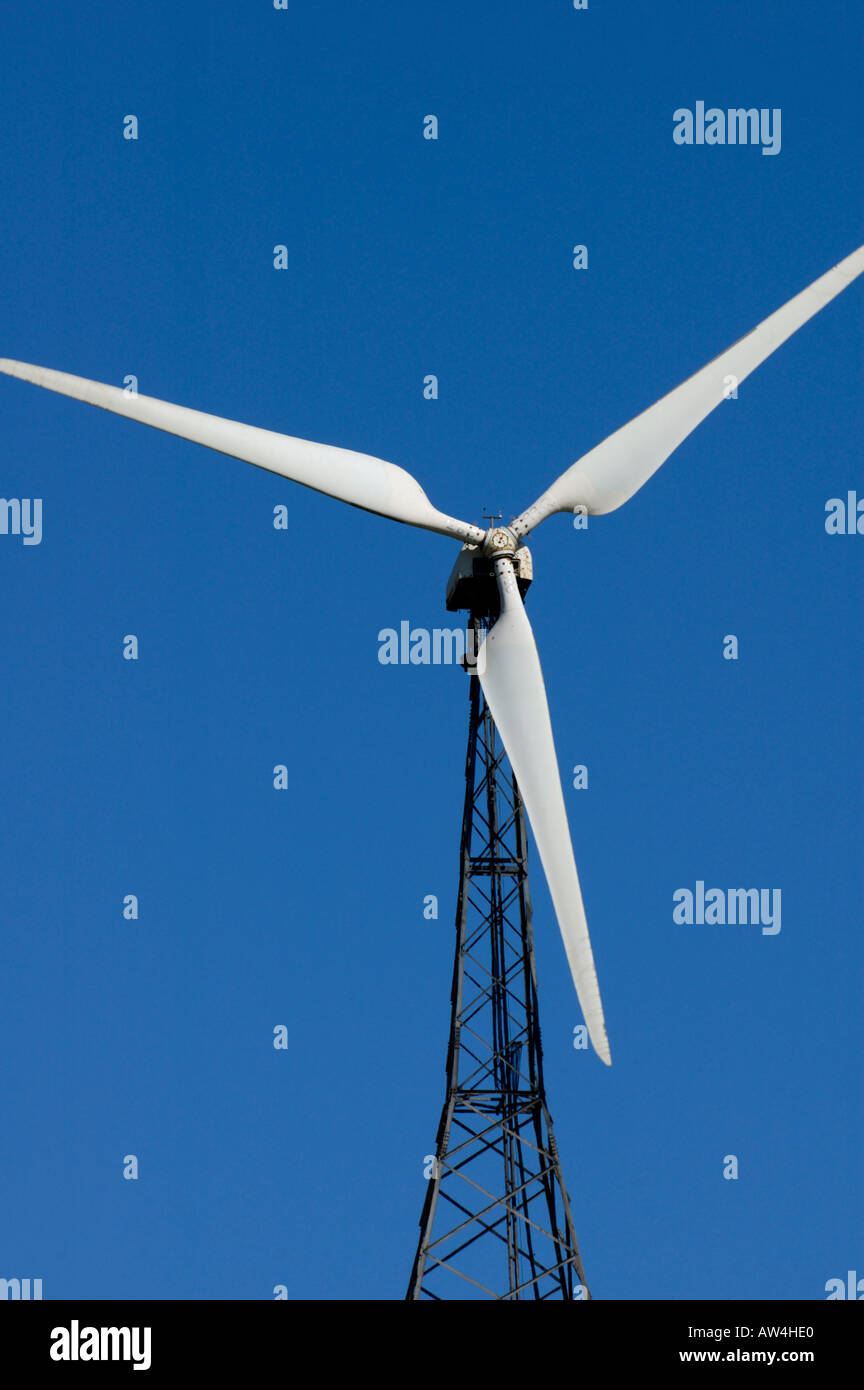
(512,681)
(359,479)
(610,474)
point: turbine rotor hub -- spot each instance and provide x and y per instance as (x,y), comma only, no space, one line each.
(500,541)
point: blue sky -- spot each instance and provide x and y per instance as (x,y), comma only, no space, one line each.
(258,908)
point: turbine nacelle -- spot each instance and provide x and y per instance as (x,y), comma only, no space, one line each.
(473,587)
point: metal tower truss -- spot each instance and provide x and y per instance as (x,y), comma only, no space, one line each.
(496,1221)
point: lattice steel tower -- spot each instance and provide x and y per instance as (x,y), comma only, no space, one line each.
(496,1222)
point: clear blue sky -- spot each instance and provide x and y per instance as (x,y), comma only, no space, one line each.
(257,647)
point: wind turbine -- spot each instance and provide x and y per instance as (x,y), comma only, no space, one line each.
(508,665)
